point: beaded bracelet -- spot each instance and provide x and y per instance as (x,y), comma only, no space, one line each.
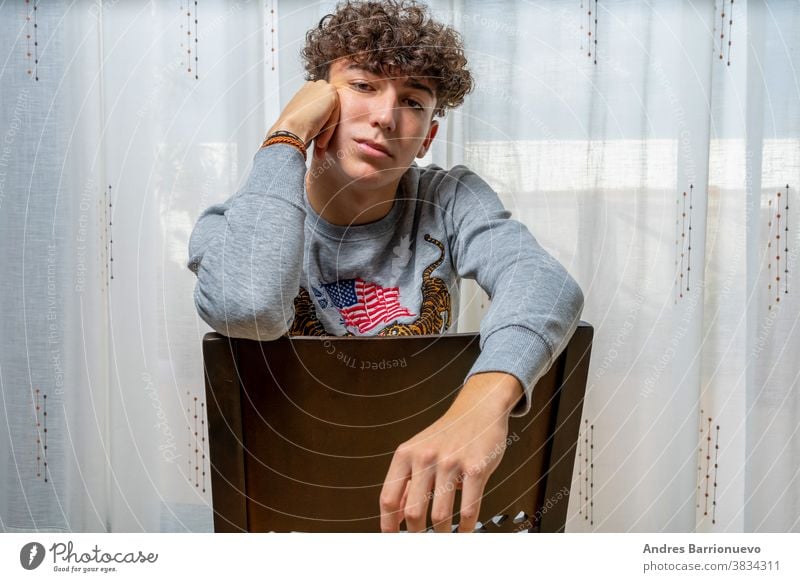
(287,137)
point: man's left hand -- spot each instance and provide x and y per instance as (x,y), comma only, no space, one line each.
(460,450)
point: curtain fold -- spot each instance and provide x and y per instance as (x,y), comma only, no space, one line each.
(653,148)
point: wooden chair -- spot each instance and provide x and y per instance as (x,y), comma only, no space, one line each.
(302,430)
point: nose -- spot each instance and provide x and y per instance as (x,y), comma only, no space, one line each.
(384,111)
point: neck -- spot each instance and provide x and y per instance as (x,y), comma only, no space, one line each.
(342,202)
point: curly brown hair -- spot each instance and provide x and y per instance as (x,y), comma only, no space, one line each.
(391,38)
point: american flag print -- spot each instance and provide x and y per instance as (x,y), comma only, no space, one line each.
(365,305)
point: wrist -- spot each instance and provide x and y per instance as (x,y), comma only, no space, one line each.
(496,391)
(287,138)
(300,132)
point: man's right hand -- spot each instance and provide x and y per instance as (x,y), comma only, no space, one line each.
(312,113)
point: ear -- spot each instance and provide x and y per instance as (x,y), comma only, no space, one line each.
(428,139)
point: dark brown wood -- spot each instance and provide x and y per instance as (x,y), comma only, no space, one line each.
(565,430)
(320,419)
(225,434)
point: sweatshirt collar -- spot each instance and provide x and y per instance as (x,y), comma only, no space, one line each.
(406,190)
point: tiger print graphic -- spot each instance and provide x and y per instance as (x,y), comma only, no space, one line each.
(306,321)
(435,315)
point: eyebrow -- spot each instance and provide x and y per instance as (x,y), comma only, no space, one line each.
(413,83)
(410,82)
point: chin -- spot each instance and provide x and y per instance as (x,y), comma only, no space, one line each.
(366,173)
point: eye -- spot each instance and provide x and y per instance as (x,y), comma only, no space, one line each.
(360,86)
(415,104)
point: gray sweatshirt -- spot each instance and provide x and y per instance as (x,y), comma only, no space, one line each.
(268,265)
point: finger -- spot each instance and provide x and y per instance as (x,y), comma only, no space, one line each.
(405,495)
(444,495)
(416,507)
(471,493)
(393,495)
(329,127)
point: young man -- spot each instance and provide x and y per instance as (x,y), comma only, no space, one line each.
(367,243)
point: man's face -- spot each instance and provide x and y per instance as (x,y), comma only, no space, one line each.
(384,123)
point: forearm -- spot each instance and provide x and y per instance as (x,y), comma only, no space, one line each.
(535,304)
(248,252)
(535,308)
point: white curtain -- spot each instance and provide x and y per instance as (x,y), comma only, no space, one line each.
(654,157)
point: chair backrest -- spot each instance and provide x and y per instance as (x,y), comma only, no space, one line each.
(302,430)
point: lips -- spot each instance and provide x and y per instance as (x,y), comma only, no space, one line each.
(374,148)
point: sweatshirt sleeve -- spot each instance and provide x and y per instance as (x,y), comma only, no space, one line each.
(535,304)
(247,253)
